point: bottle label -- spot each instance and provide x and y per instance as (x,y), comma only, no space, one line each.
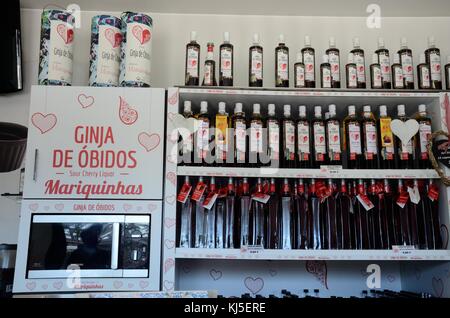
(210,200)
(192,62)
(60,51)
(299,76)
(406,150)
(274,140)
(371,140)
(240,134)
(289,142)
(360,67)
(387,139)
(402,199)
(303,140)
(226,58)
(256,144)
(352,77)
(433,192)
(187,145)
(377,82)
(435,65)
(319,141)
(354,132)
(407,66)
(257,65)
(203,138)
(283,68)
(398,77)
(326,77)
(198,191)
(385,64)
(138,53)
(333,58)
(184,193)
(365,202)
(208,74)
(308,60)
(334,141)
(108,55)
(424,135)
(425,78)
(221,136)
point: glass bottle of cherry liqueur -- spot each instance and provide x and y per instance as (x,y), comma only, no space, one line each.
(353,139)
(359,60)
(376,81)
(192,71)
(325,73)
(334,60)
(386,140)
(240,136)
(209,70)
(351,74)
(299,72)
(385,64)
(202,137)
(319,148)
(333,137)
(221,135)
(406,60)
(423,74)
(288,139)
(303,139)
(226,61)
(405,151)
(310,65)
(187,142)
(433,59)
(369,126)
(255,68)
(281,63)
(256,137)
(423,137)
(273,133)
(397,74)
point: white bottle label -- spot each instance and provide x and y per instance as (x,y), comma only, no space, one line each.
(300,76)
(308,60)
(274,140)
(289,137)
(326,78)
(424,135)
(333,58)
(303,140)
(425,78)
(407,149)
(60,52)
(371,139)
(283,68)
(192,62)
(334,141)
(435,65)
(240,134)
(385,64)
(138,53)
(203,138)
(226,57)
(360,67)
(398,77)
(354,132)
(319,138)
(352,77)
(108,55)
(257,64)
(187,144)
(377,82)
(208,74)
(407,66)
(256,144)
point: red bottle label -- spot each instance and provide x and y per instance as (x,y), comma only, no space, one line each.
(199,190)
(184,193)
(402,199)
(433,192)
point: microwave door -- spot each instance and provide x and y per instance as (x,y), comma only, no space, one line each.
(136,246)
(63,246)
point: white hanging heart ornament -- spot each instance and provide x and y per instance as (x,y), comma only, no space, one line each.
(185,126)
(405,130)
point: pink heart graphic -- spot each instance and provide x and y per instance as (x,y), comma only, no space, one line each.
(130,285)
(127,114)
(174,98)
(169,222)
(152,207)
(171,177)
(117,284)
(44,286)
(85,101)
(59,207)
(272,272)
(390,278)
(58,285)
(168,264)
(169,244)
(127,207)
(172,158)
(149,142)
(113,37)
(65,33)
(142,35)
(254,284)
(143,284)
(438,286)
(31,286)
(33,206)
(215,274)
(171,199)
(444,236)
(44,123)
(168,285)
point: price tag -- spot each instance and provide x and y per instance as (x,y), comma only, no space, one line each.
(254,249)
(261,197)
(402,199)
(414,195)
(184,193)
(198,192)
(210,200)
(403,249)
(433,192)
(365,202)
(332,170)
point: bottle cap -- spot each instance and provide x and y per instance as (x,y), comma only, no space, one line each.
(422,59)
(256,38)
(187,106)
(281,38)
(350,58)
(226,37)
(271,110)
(396,58)
(401,110)
(256,108)
(327,115)
(238,108)
(356,43)
(367,109)
(431,42)
(287,110)
(351,110)
(325,59)
(318,111)
(332,42)
(422,108)
(332,109)
(302,110)
(307,41)
(203,106)
(381,43)
(213,180)
(403,42)
(222,107)
(299,57)
(186,179)
(375,58)
(193,36)
(383,110)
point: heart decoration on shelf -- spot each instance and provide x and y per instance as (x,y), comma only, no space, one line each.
(405,131)
(185,126)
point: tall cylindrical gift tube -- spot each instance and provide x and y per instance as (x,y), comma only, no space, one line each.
(56,51)
(136,50)
(106,39)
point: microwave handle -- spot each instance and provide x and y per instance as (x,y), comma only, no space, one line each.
(115,246)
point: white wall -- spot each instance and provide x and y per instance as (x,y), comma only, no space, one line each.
(171,32)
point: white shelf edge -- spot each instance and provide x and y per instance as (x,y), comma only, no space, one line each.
(302,255)
(306,173)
